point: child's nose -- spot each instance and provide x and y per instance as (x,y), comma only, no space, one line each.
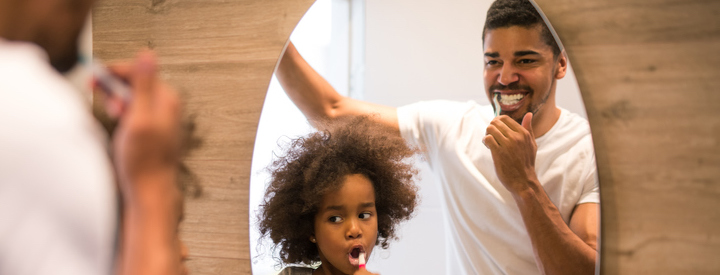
(354,231)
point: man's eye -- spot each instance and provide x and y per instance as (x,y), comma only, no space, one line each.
(335,219)
(364,216)
(527,61)
(491,62)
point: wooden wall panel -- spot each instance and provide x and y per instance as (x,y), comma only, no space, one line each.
(221,55)
(649,77)
(647,69)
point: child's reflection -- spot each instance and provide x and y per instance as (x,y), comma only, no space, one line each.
(336,194)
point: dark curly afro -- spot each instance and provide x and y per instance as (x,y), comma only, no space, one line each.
(317,164)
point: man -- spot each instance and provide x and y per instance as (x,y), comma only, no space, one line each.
(58,198)
(520,190)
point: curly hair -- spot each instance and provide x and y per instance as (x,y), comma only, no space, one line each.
(508,13)
(317,164)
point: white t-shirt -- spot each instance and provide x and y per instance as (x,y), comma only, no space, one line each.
(485,231)
(58,205)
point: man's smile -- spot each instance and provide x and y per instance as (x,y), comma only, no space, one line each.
(511,100)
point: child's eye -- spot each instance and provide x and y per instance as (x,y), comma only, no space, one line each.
(364,216)
(335,219)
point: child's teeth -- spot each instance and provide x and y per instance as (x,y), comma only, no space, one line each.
(511,99)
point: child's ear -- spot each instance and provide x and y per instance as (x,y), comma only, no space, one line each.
(312,238)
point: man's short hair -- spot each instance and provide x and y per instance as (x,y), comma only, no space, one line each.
(508,13)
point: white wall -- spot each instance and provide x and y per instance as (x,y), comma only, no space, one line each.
(424,50)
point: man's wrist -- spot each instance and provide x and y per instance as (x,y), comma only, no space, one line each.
(151,189)
(529,190)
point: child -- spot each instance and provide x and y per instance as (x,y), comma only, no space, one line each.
(336,194)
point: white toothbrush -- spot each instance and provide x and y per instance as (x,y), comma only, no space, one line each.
(110,83)
(497,104)
(361,260)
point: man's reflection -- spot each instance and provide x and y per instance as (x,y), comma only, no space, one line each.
(520,192)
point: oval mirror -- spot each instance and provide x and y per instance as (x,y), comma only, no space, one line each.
(398,52)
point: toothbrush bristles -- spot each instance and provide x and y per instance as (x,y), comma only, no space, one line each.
(362,259)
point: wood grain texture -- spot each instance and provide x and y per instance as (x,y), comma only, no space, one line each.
(221,56)
(649,79)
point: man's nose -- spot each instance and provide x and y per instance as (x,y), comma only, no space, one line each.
(353,231)
(508,74)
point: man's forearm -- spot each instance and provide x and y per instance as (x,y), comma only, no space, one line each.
(150,220)
(557,249)
(310,92)
(317,99)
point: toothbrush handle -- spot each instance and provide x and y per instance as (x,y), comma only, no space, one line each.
(362,261)
(497,104)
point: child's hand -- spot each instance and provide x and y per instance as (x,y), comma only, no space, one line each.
(363,271)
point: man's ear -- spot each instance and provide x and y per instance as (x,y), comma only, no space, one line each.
(561,65)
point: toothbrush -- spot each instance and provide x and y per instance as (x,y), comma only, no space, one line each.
(361,260)
(497,104)
(110,83)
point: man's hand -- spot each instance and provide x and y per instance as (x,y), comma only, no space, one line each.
(146,147)
(147,139)
(557,249)
(513,151)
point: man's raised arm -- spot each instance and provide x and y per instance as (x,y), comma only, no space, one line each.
(314,96)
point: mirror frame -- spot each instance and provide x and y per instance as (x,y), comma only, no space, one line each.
(648,76)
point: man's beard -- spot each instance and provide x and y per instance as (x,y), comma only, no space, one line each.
(66,62)
(63,55)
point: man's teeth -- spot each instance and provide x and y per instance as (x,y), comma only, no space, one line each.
(511,99)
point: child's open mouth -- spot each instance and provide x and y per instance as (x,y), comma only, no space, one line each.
(354,255)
